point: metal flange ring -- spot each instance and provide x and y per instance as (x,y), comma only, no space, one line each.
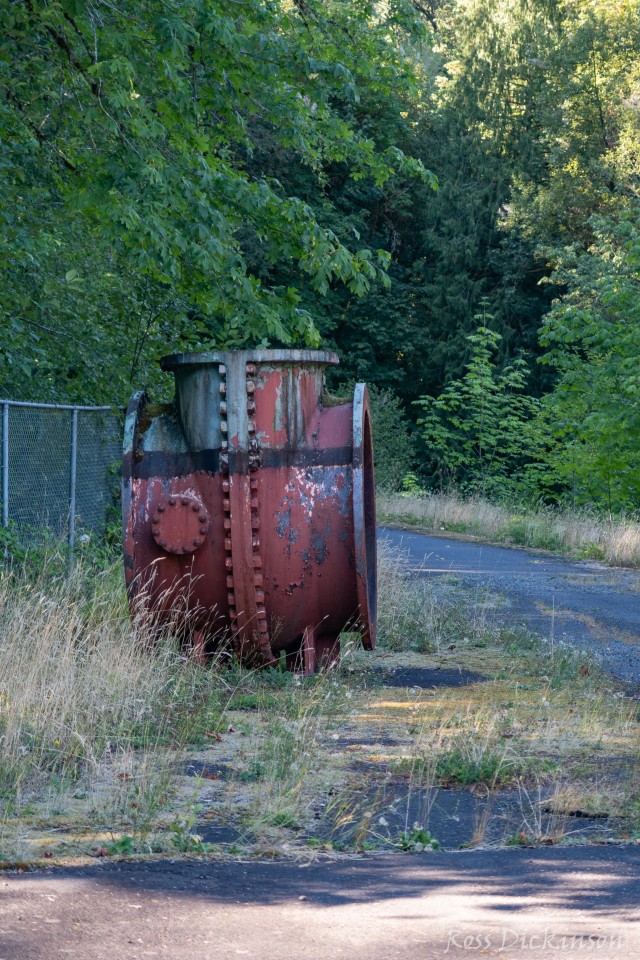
(180,523)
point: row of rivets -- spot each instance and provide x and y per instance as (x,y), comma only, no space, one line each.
(224,455)
(226,504)
(255,462)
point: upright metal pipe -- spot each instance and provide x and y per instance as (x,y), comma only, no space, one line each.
(72,485)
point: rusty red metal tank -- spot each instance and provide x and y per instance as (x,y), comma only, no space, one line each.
(249,505)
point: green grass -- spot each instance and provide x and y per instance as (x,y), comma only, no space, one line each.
(456,768)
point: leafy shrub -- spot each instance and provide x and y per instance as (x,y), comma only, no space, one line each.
(394,447)
(481,430)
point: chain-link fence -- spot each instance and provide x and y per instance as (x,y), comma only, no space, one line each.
(58,466)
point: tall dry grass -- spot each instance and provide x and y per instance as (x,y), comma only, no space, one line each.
(415,613)
(581,534)
(82,687)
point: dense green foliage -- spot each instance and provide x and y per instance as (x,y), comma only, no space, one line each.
(552,89)
(592,336)
(395,451)
(224,173)
(134,218)
(479,428)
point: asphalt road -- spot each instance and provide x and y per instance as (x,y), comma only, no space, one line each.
(507,903)
(594,607)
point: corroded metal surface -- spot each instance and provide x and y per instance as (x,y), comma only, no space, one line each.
(180,524)
(285,555)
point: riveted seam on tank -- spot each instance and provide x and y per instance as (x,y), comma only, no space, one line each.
(226,506)
(261,633)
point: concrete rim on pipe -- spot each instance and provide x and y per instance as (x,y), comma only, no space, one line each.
(176,360)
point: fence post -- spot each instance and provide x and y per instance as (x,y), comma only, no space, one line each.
(72,485)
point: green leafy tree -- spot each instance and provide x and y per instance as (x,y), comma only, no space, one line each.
(127,180)
(381,337)
(484,125)
(582,212)
(592,338)
(478,431)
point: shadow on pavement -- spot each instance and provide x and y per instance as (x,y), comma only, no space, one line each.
(597,878)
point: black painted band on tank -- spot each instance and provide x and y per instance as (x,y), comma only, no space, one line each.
(157,463)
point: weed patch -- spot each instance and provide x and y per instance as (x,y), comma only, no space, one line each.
(96,721)
(413,613)
(456,767)
(93,707)
(418,840)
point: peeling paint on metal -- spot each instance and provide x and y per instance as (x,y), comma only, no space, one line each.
(284,522)
(309,568)
(319,545)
